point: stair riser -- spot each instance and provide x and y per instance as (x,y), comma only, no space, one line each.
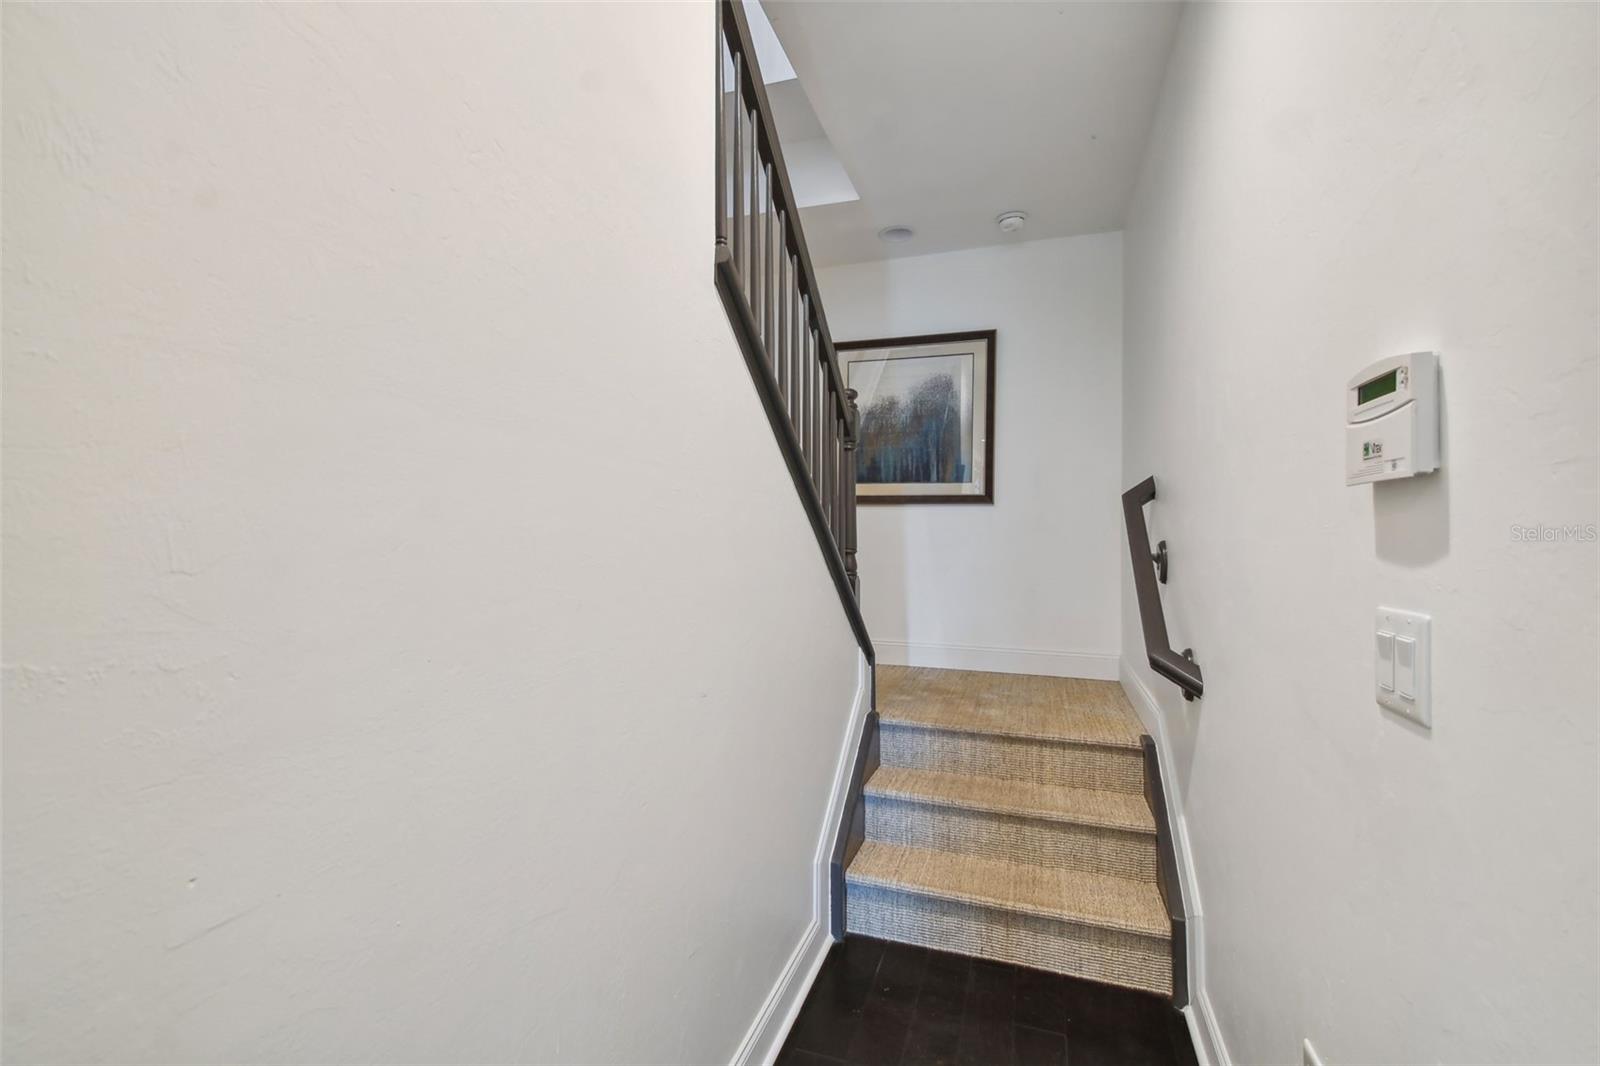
(1114,957)
(1015,758)
(1058,845)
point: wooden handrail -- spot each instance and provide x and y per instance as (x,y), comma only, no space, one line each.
(1180,669)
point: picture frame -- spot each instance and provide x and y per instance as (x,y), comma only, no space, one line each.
(926,405)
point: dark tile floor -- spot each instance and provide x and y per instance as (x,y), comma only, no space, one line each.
(878,1002)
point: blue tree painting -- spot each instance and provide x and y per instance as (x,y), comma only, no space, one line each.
(916,420)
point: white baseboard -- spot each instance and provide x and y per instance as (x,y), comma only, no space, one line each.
(1208,1043)
(1098,666)
(1203,1026)
(776,1017)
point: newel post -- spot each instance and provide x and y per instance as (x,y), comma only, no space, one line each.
(852,433)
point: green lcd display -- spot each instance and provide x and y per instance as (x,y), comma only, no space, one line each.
(1378,387)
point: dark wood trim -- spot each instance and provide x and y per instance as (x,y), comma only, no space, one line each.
(920,338)
(901,501)
(853,822)
(1167,881)
(748,335)
(987,335)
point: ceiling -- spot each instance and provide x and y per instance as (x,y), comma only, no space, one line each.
(815,173)
(944,115)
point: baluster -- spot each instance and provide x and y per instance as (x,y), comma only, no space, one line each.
(810,448)
(800,360)
(804,331)
(822,419)
(810,410)
(722,126)
(758,243)
(831,464)
(796,309)
(769,315)
(828,470)
(821,397)
(756,200)
(737,164)
(755,205)
(780,351)
(804,389)
(759,267)
(800,319)
(822,446)
(851,437)
(765,302)
(822,451)
(839,482)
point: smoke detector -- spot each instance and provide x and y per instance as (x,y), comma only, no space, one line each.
(896,234)
(1012,221)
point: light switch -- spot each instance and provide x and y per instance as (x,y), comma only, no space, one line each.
(1403,650)
(1385,661)
(1405,667)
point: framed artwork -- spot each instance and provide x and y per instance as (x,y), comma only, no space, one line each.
(927,417)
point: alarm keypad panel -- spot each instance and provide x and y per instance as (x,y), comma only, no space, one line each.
(1392,419)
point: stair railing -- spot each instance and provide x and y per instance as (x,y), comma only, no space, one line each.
(769,288)
(1180,669)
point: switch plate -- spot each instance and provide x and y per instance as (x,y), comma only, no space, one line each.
(1403,659)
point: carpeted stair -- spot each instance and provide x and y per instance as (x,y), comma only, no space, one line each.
(1008,821)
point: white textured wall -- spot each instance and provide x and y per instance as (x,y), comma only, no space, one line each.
(415,650)
(1029,584)
(1326,185)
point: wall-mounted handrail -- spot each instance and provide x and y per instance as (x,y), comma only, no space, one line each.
(769,288)
(1180,669)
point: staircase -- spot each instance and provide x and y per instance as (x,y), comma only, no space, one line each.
(1007,820)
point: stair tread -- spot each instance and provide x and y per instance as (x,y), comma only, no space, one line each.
(1016,705)
(1068,895)
(1029,799)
